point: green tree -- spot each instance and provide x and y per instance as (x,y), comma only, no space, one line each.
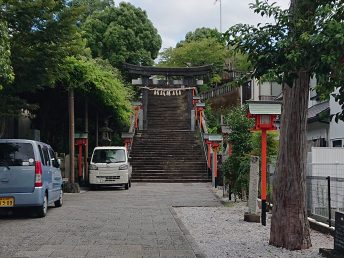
(122,34)
(102,83)
(6,71)
(50,57)
(196,53)
(306,40)
(203,33)
(91,6)
(201,47)
(43,34)
(213,119)
(236,167)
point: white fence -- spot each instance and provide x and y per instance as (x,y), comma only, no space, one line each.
(325,182)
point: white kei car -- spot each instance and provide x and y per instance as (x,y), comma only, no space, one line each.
(109,165)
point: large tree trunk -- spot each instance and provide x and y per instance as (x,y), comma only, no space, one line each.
(289,224)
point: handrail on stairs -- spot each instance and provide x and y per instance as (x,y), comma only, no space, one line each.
(135,124)
(204,130)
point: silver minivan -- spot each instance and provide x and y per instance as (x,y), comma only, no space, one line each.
(30,176)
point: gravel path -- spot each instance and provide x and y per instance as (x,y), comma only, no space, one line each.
(222,232)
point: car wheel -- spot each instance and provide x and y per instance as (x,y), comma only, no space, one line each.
(129,182)
(126,186)
(59,202)
(42,210)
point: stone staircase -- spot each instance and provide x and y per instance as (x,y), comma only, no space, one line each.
(168,151)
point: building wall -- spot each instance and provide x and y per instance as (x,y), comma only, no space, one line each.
(336,129)
(317,130)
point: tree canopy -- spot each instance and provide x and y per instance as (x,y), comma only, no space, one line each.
(196,53)
(101,82)
(122,34)
(204,46)
(203,33)
(43,34)
(6,71)
(50,55)
(312,41)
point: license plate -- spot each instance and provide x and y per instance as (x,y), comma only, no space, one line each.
(6,201)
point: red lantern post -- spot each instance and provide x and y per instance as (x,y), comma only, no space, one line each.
(80,141)
(265,114)
(127,139)
(215,141)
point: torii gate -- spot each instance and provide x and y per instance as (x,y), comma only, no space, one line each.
(189,75)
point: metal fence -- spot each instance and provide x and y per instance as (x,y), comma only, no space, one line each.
(325,190)
(218,91)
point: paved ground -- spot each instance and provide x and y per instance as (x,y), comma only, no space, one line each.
(109,223)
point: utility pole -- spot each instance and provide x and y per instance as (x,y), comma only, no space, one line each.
(220,14)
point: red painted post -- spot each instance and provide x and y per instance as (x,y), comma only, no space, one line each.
(80,161)
(263,168)
(208,152)
(215,162)
(215,147)
(200,119)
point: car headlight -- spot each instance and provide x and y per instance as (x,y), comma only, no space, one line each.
(123,167)
(93,167)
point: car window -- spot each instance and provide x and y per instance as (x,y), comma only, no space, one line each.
(53,158)
(46,156)
(16,154)
(41,154)
(108,156)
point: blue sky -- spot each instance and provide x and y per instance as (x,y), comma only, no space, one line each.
(174,18)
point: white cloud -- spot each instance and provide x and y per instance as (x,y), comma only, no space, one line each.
(174,18)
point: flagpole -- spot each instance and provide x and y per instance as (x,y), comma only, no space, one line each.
(220,16)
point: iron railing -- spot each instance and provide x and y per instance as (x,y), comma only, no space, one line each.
(218,91)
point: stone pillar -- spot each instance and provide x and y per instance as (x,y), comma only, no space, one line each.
(252,214)
(190,105)
(192,120)
(145,106)
(141,120)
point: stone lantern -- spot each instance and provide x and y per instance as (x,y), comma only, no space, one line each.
(106,133)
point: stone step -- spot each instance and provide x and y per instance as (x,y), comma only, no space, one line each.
(153,180)
(171,166)
(168,151)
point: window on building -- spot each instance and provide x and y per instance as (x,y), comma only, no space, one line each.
(337,143)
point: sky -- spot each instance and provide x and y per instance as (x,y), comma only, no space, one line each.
(174,18)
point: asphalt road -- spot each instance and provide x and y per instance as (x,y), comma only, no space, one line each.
(109,222)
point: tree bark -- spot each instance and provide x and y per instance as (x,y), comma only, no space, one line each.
(86,146)
(71,134)
(289,223)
